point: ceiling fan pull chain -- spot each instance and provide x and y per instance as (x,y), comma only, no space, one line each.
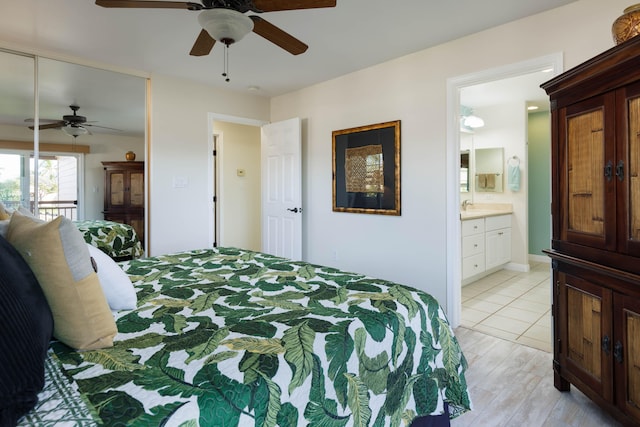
(225,74)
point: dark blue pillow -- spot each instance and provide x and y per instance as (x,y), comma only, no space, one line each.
(26,327)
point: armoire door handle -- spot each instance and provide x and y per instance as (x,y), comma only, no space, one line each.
(620,170)
(617,352)
(606,344)
(608,171)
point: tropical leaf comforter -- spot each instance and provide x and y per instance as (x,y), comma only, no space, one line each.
(228,337)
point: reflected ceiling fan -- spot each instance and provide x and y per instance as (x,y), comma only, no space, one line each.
(225,20)
(71,124)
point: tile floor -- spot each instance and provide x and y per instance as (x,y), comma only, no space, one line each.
(511,305)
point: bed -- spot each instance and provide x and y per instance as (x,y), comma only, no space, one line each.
(231,337)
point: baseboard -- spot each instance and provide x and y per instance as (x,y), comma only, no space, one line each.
(539,258)
(522,268)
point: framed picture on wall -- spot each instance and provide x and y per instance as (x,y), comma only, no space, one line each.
(366,169)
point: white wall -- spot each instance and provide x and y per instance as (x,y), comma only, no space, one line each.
(412,248)
(506,128)
(240,201)
(180,151)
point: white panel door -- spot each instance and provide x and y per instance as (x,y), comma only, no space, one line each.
(281,189)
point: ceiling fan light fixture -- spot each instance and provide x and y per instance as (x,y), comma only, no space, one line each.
(225,25)
(74,131)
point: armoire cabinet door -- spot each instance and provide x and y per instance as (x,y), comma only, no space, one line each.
(587,337)
(136,193)
(627,354)
(116,188)
(628,168)
(587,180)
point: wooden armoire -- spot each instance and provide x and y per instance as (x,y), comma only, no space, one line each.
(124,194)
(595,249)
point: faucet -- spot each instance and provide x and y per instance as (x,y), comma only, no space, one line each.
(465,203)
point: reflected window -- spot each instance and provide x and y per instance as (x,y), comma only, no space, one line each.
(464,172)
(57,184)
(14,189)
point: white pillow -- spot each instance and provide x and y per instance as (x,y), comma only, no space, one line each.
(115,283)
(26,212)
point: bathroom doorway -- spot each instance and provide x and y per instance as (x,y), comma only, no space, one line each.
(479,88)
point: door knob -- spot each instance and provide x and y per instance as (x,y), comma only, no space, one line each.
(295,210)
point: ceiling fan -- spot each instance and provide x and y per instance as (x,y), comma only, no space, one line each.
(225,20)
(71,124)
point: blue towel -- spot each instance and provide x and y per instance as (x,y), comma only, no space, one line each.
(514,178)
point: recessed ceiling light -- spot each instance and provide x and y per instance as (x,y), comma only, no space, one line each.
(532,107)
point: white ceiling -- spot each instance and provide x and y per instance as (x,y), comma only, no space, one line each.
(354,35)
(524,88)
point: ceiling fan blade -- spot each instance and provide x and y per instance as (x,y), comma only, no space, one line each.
(101,127)
(149,4)
(276,5)
(203,45)
(277,36)
(56,125)
(42,120)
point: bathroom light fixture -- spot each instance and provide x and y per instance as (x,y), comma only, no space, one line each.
(473,122)
(469,121)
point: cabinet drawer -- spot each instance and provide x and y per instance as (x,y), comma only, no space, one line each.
(496,222)
(472,245)
(472,265)
(472,226)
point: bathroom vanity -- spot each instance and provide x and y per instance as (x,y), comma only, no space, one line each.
(486,239)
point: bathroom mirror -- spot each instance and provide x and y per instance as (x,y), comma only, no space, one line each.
(489,170)
(464,171)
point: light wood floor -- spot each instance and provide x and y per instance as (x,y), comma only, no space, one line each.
(512,385)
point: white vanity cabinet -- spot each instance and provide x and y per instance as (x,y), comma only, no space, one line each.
(473,241)
(486,245)
(497,240)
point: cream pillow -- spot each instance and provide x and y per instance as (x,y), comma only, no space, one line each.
(59,258)
(114,281)
(4,214)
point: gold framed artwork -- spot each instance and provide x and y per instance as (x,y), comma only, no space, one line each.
(366,169)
